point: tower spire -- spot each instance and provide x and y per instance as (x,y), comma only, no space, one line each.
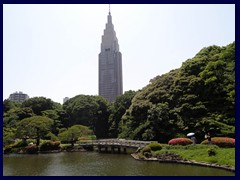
(109,10)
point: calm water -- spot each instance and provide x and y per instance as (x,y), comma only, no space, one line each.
(97,164)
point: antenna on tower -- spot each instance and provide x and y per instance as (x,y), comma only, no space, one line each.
(109,9)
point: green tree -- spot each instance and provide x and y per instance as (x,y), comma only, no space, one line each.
(39,104)
(118,109)
(8,135)
(53,114)
(7,105)
(196,97)
(89,111)
(35,127)
(73,133)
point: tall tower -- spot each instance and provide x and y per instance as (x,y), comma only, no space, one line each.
(110,64)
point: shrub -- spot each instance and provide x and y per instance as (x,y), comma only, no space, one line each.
(221,141)
(32,149)
(19,144)
(154,146)
(180,141)
(67,147)
(7,149)
(147,154)
(146,149)
(52,137)
(50,146)
(212,152)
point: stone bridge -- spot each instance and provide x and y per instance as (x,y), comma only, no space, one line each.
(115,144)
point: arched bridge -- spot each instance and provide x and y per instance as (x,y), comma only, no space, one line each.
(115,144)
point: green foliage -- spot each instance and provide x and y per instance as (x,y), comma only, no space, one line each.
(8,135)
(52,136)
(35,127)
(39,104)
(146,149)
(118,108)
(20,143)
(154,146)
(8,105)
(89,111)
(197,96)
(198,152)
(211,152)
(50,146)
(73,133)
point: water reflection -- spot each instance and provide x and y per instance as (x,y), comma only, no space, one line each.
(96,164)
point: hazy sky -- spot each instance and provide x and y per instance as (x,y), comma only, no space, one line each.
(52,50)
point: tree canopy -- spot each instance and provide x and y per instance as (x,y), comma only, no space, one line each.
(89,111)
(35,127)
(196,97)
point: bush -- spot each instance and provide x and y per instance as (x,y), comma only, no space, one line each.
(146,149)
(221,141)
(52,137)
(19,144)
(67,147)
(147,154)
(50,146)
(212,152)
(154,146)
(32,149)
(7,149)
(180,141)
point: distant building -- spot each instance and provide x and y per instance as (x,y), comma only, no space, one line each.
(110,83)
(18,97)
(65,99)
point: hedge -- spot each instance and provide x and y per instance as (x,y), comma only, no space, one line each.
(221,141)
(180,141)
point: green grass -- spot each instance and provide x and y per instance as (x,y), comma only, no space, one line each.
(199,153)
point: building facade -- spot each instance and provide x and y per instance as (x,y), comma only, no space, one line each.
(110,82)
(18,97)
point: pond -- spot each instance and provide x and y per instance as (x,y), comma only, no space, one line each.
(98,164)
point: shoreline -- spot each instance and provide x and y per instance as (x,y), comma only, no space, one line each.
(189,162)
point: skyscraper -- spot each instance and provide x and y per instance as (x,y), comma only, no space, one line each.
(110,64)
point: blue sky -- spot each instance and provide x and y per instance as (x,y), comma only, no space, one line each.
(52,50)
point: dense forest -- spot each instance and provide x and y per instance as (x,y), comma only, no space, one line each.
(197,97)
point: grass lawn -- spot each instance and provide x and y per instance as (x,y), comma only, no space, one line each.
(199,153)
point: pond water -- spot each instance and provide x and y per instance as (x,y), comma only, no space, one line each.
(98,164)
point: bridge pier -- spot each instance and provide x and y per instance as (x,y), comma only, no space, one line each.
(112,149)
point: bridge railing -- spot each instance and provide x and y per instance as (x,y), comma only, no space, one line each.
(119,142)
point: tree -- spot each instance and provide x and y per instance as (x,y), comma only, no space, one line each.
(39,104)
(118,109)
(35,127)
(53,114)
(8,135)
(7,105)
(73,133)
(197,96)
(89,111)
